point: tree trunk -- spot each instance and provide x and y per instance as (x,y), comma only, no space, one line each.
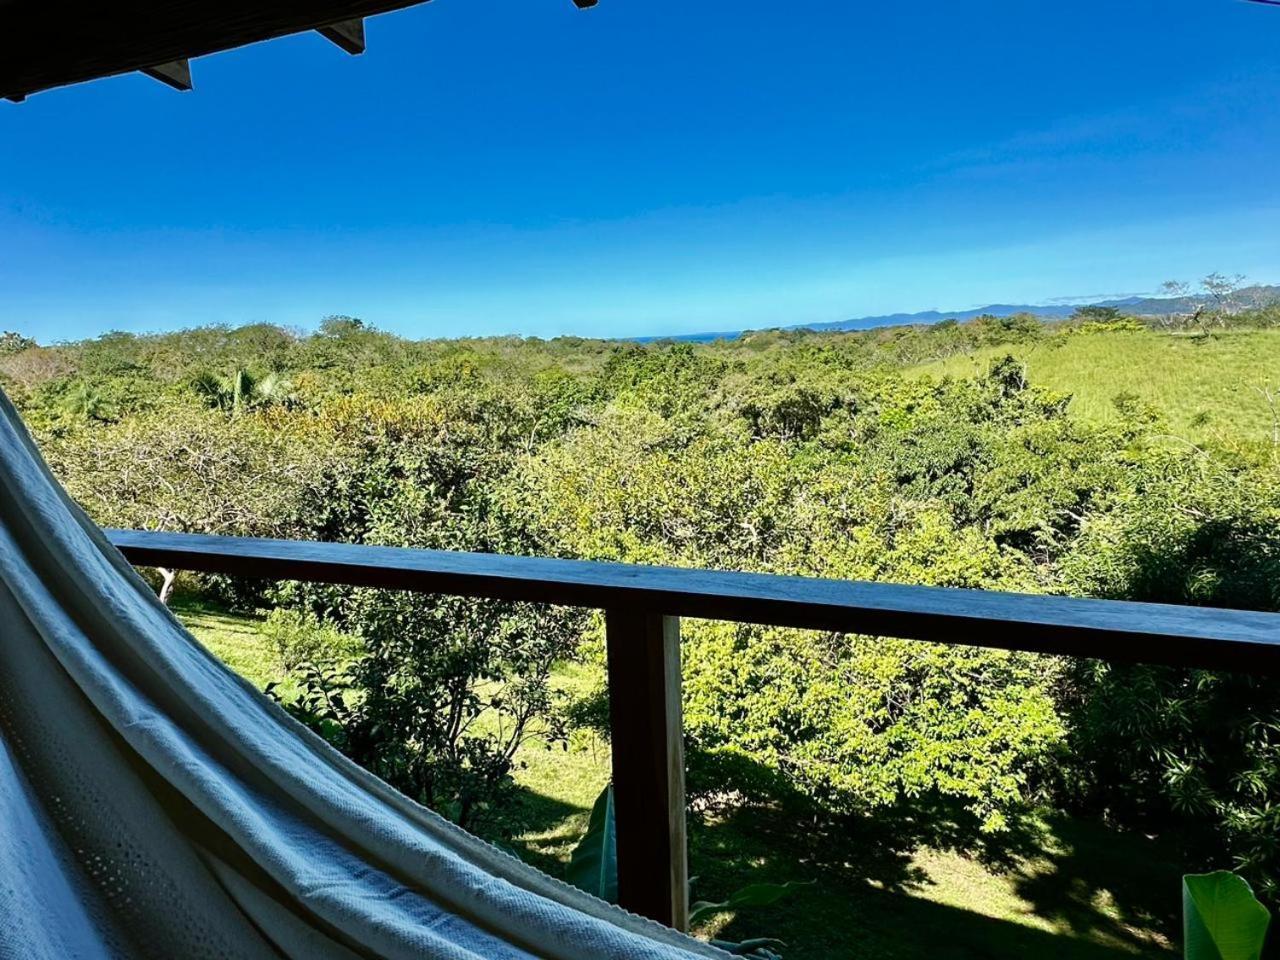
(166,588)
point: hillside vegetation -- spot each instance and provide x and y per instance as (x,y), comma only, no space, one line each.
(1204,388)
(1098,457)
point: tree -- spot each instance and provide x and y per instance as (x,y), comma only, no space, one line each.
(11,343)
(412,708)
(1224,295)
(87,402)
(190,470)
(898,482)
(242,390)
(447,689)
(788,452)
(1097,314)
(1178,292)
(33,367)
(1192,753)
(340,326)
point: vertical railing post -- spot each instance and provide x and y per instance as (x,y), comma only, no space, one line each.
(648,764)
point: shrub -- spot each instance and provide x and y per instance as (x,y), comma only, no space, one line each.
(1191,752)
(299,637)
(444,695)
(855,723)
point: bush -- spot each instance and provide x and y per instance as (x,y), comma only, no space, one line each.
(1188,752)
(444,695)
(299,637)
(903,483)
(856,723)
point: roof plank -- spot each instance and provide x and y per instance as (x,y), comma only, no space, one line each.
(52,43)
(346,34)
(176,73)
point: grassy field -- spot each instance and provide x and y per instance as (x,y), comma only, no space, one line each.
(1203,386)
(906,883)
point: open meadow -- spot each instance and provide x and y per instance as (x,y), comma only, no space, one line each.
(1204,387)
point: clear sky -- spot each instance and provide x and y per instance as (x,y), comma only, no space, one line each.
(652,167)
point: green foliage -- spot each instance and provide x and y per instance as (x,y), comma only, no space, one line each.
(11,343)
(445,690)
(183,468)
(593,866)
(414,707)
(85,402)
(930,455)
(1015,328)
(894,487)
(1123,324)
(1221,918)
(1097,314)
(1190,751)
(856,723)
(241,390)
(299,637)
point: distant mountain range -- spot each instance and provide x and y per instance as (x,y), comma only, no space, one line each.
(1133,306)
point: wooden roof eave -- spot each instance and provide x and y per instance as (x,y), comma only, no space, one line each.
(53,43)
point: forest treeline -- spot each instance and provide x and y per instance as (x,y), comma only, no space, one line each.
(814,454)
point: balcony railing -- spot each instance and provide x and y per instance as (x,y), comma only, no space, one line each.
(642,607)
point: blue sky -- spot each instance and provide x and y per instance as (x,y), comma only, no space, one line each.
(653,166)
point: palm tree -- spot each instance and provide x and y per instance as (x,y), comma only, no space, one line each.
(242,390)
(86,402)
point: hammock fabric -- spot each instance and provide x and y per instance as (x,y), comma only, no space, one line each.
(154,804)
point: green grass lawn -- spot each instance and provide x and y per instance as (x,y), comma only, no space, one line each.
(906,883)
(1204,387)
(234,638)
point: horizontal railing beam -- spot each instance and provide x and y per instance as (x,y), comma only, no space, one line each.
(1109,629)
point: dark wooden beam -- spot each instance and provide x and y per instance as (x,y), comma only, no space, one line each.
(46,44)
(176,73)
(347,34)
(648,764)
(1110,629)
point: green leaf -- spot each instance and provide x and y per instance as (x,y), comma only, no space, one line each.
(594,864)
(753,895)
(1221,918)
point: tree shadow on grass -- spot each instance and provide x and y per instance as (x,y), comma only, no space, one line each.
(915,880)
(540,830)
(887,926)
(736,790)
(920,879)
(1094,881)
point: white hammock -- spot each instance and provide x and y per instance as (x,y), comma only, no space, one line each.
(153,804)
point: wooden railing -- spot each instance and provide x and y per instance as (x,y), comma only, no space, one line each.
(642,608)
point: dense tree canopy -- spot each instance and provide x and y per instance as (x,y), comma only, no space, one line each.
(819,454)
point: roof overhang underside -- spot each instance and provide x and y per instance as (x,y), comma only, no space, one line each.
(51,43)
